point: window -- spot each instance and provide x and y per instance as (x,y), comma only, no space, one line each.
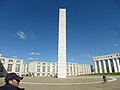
(71,69)
(48,74)
(74,69)
(3,60)
(18,61)
(43,74)
(17,68)
(43,69)
(48,68)
(53,70)
(38,74)
(67,68)
(43,63)
(9,68)
(38,62)
(38,69)
(10,60)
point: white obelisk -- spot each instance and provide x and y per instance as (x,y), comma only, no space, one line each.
(62,44)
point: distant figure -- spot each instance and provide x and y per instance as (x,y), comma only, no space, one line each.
(12,81)
(104,79)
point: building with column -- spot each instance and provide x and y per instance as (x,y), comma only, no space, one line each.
(107,63)
(62,44)
(50,69)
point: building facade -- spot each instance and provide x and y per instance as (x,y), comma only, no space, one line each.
(107,63)
(40,68)
(8,65)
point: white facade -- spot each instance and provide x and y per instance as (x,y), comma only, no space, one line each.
(8,65)
(107,63)
(40,68)
(62,44)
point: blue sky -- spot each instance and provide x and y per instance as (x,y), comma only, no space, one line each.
(29,29)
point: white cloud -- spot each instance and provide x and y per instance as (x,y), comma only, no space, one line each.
(116,44)
(32,58)
(34,53)
(86,55)
(21,35)
(14,56)
(72,59)
(31,36)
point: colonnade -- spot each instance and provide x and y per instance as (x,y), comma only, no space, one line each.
(107,65)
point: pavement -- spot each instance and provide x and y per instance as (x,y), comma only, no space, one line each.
(69,83)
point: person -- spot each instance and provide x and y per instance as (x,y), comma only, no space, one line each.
(12,81)
(104,78)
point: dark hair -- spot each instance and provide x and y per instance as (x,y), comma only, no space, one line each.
(7,81)
(11,76)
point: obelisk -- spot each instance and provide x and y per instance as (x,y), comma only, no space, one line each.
(62,44)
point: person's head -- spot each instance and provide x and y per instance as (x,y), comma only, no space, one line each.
(13,79)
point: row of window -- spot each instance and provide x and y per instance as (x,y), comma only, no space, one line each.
(10,66)
(17,61)
(57,64)
(103,57)
(69,69)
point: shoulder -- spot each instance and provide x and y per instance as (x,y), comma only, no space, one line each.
(8,87)
(1,88)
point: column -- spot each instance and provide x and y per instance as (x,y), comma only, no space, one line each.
(109,64)
(96,69)
(62,44)
(100,66)
(114,64)
(118,64)
(46,69)
(105,70)
(41,68)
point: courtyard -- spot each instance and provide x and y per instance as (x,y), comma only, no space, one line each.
(69,83)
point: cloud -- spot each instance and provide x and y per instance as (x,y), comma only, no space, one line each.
(116,44)
(72,59)
(32,58)
(86,55)
(21,35)
(31,36)
(14,57)
(34,53)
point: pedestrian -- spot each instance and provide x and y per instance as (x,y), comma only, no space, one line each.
(12,81)
(104,79)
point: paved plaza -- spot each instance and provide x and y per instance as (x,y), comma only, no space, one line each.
(70,83)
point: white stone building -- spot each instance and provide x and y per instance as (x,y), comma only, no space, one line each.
(8,65)
(41,68)
(107,63)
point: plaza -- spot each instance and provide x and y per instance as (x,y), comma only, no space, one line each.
(69,83)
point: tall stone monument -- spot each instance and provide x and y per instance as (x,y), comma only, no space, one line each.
(62,44)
